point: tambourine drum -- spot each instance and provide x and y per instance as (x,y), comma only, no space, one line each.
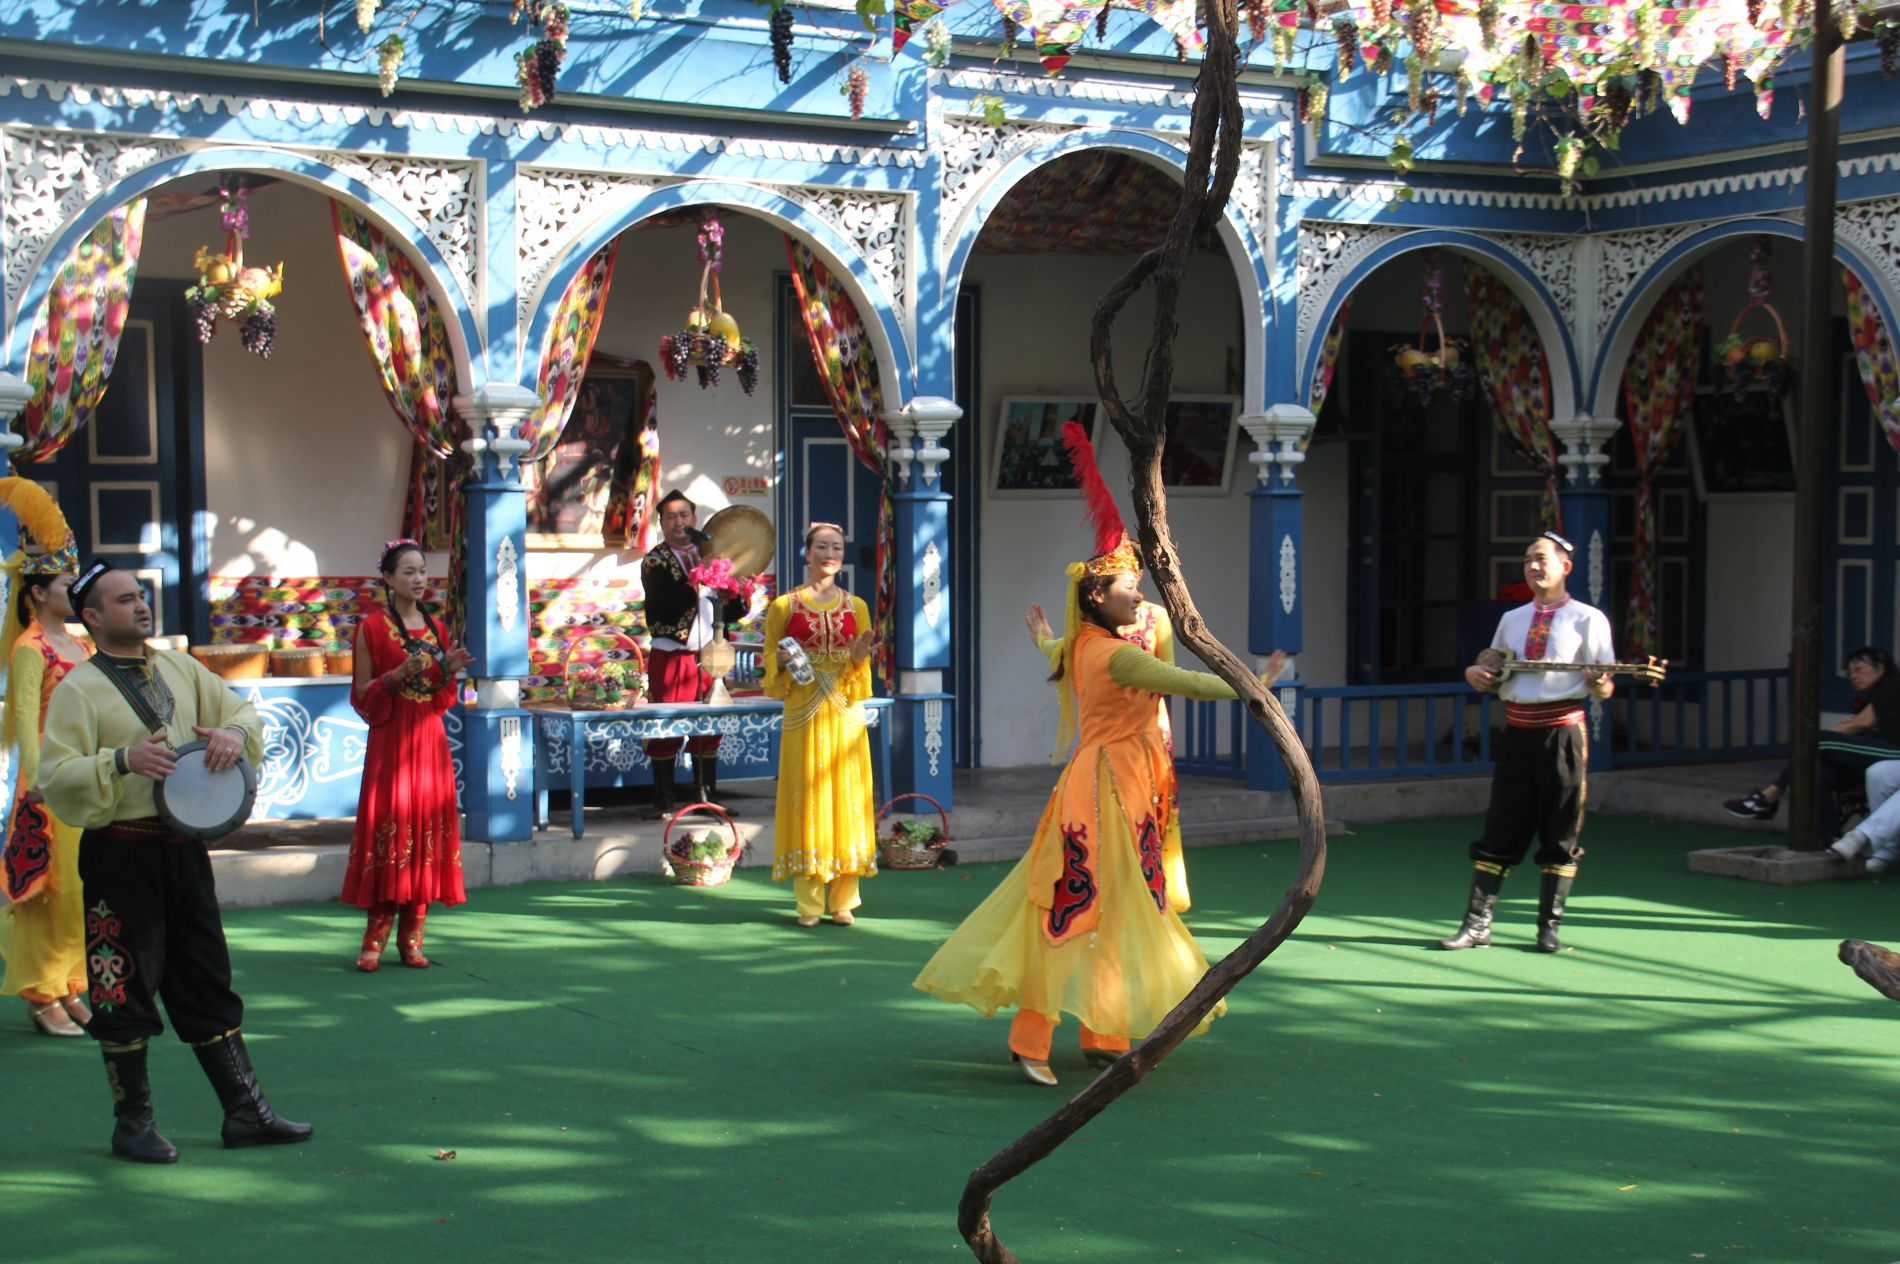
(203,804)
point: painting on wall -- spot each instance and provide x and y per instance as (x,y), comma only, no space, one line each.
(1198,458)
(1029,458)
(581,496)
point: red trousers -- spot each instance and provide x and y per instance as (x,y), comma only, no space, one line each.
(676,676)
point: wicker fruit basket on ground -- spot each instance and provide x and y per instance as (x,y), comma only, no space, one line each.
(698,862)
(913,843)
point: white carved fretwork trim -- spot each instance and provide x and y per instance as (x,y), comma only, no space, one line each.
(441,197)
(1252,185)
(1553,261)
(511,753)
(973,152)
(932,580)
(507,584)
(47,175)
(1326,252)
(933,732)
(878,224)
(1873,228)
(1113,92)
(1622,259)
(551,207)
(1289,574)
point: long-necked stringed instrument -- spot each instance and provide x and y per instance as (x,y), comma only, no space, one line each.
(1504,667)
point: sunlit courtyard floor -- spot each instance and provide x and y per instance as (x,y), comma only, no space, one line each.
(629,1071)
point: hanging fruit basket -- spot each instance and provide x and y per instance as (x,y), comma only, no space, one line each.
(1761,359)
(711,339)
(703,859)
(229,290)
(914,842)
(1424,372)
(603,669)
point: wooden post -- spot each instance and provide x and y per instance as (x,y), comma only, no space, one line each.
(1817,378)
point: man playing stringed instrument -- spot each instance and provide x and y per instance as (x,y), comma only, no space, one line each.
(1539,783)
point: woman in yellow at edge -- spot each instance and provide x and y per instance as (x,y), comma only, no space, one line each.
(1084,924)
(825,829)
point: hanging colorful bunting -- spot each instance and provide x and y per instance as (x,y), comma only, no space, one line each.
(841,349)
(1873,351)
(907,16)
(1658,396)
(76,336)
(1516,377)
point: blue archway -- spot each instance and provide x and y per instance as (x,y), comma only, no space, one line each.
(464,331)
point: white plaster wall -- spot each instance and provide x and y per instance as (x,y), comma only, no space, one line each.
(1036,312)
(706,435)
(305,463)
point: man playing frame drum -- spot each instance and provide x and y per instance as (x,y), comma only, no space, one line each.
(152,925)
(1538,787)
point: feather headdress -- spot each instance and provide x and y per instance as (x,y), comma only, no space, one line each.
(1115,553)
(40,520)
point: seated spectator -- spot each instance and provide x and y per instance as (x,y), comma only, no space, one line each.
(1869,735)
(1881,829)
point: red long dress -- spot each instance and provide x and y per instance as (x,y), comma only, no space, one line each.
(408,843)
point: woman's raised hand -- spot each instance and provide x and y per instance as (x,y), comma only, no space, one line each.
(862,645)
(459,657)
(1038,622)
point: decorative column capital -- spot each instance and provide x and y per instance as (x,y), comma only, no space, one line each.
(930,417)
(14,396)
(1278,434)
(1586,441)
(903,440)
(495,414)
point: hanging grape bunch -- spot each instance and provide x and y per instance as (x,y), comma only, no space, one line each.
(748,367)
(782,42)
(537,65)
(388,63)
(258,333)
(856,84)
(1888,39)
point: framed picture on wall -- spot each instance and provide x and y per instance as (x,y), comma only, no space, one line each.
(1029,457)
(1198,458)
(583,483)
(1742,447)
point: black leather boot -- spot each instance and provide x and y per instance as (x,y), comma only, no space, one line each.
(248,1118)
(134,1135)
(1476,931)
(1550,905)
(706,772)
(662,790)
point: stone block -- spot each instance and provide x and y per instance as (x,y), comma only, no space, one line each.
(1782,866)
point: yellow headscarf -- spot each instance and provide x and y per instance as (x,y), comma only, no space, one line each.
(41,519)
(1124,559)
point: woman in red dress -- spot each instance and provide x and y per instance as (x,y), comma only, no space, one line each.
(407,851)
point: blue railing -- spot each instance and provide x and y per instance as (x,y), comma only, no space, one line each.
(1698,716)
(1392,732)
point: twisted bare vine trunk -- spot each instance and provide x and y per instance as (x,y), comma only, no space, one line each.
(1213,158)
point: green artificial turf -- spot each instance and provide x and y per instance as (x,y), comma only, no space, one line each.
(630,1071)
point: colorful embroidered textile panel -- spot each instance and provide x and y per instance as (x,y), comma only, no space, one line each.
(1873,352)
(295,613)
(562,612)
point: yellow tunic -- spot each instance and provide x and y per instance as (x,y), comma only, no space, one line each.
(88,721)
(1084,923)
(43,937)
(826,824)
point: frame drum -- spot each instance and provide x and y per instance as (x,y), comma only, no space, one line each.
(202,804)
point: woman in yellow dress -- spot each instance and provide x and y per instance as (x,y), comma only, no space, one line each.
(43,930)
(825,828)
(1085,923)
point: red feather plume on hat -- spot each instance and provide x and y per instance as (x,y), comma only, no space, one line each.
(1104,519)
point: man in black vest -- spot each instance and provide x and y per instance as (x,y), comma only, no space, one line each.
(681,616)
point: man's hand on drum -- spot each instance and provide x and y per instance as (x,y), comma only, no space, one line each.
(151,756)
(223,747)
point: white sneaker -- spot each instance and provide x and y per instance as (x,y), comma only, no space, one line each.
(1848,845)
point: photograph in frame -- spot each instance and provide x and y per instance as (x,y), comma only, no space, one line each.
(1198,458)
(1029,459)
(577,491)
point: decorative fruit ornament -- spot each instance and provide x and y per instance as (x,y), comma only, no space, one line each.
(710,338)
(228,289)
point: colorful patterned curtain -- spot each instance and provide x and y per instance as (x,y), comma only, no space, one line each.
(1658,394)
(1516,374)
(1873,350)
(409,345)
(637,474)
(1328,364)
(76,338)
(841,348)
(564,360)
